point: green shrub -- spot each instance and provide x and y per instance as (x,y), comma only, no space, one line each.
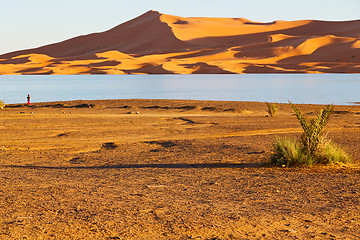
(272,109)
(312,148)
(2,104)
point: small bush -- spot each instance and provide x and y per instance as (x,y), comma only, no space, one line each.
(272,109)
(289,152)
(312,148)
(2,104)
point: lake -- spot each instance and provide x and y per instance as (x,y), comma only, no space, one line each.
(340,89)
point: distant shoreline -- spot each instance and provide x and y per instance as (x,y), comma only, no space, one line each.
(89,103)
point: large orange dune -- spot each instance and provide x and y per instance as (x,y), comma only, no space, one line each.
(159,43)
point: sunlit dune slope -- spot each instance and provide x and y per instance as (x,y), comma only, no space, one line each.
(160,43)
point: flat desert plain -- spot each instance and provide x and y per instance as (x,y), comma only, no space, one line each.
(168,169)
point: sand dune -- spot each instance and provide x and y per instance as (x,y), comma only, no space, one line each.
(160,43)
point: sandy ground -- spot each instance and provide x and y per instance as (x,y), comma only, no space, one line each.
(175,170)
(157,43)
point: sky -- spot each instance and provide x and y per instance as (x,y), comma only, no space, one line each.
(33,23)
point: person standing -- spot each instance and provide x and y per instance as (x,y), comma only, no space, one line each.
(28,99)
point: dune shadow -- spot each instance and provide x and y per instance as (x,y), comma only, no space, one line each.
(147,166)
(181,22)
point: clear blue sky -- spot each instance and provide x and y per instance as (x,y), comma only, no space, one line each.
(33,23)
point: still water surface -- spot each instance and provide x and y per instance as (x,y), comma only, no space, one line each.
(299,88)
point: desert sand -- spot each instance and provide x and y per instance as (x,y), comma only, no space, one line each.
(162,169)
(164,44)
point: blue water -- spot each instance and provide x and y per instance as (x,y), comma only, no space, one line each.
(340,89)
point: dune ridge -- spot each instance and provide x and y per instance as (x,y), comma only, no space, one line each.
(156,43)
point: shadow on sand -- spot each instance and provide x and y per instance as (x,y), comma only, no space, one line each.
(149,166)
